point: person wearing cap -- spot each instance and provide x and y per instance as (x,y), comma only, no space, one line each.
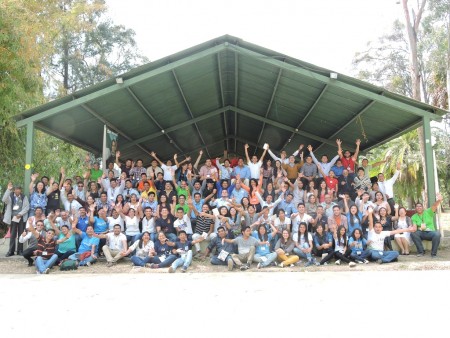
(16,215)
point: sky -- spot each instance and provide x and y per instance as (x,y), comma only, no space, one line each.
(326,33)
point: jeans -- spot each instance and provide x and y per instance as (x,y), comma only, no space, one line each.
(185,262)
(16,231)
(139,261)
(76,257)
(385,256)
(433,236)
(43,264)
(361,257)
(164,264)
(216,261)
(302,254)
(270,258)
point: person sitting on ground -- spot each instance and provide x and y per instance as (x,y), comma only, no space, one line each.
(165,253)
(184,252)
(116,246)
(425,229)
(45,252)
(304,244)
(358,244)
(323,242)
(144,250)
(376,237)
(221,250)
(245,247)
(66,240)
(284,249)
(341,251)
(263,255)
(87,252)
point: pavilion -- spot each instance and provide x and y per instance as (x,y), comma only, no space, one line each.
(224,93)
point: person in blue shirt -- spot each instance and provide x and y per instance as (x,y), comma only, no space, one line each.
(87,252)
(184,252)
(263,255)
(100,224)
(165,253)
(358,245)
(354,216)
(287,205)
(242,170)
(323,241)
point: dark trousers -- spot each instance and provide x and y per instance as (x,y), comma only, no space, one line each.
(28,253)
(336,254)
(433,236)
(16,231)
(63,256)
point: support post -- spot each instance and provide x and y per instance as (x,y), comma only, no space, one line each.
(28,155)
(429,165)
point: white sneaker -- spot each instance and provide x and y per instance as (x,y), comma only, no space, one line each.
(259,266)
(360,262)
(291,266)
(366,261)
(352,264)
(338,262)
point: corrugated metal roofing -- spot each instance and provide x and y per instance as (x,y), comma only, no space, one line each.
(222,94)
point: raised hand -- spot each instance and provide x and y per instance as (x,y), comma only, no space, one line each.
(153,154)
(338,142)
(10,186)
(117,153)
(358,142)
(246,146)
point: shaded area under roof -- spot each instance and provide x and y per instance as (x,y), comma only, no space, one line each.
(222,94)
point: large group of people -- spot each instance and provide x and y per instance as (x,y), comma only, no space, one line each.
(276,211)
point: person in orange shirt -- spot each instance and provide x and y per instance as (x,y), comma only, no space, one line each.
(255,186)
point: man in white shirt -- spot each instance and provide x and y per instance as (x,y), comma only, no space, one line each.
(71,205)
(387,186)
(375,242)
(112,189)
(283,156)
(114,220)
(254,165)
(116,245)
(301,217)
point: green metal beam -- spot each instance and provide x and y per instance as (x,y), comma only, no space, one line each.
(190,111)
(274,91)
(145,110)
(429,162)
(336,83)
(222,96)
(281,125)
(28,156)
(353,119)
(176,127)
(129,82)
(55,133)
(236,93)
(310,110)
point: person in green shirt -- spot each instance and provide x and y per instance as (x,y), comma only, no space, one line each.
(425,229)
(182,204)
(96,172)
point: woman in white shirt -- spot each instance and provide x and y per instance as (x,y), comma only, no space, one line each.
(131,224)
(144,250)
(402,221)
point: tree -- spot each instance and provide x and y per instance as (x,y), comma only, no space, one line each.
(409,61)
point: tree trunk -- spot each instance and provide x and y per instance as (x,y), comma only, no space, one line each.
(412,28)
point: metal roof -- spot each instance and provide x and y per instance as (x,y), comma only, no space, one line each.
(224,93)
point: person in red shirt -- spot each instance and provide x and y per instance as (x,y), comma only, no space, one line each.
(331,181)
(348,160)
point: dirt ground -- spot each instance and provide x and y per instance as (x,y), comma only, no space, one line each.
(18,265)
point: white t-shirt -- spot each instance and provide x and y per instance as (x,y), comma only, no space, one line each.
(116,242)
(377,239)
(254,169)
(113,221)
(167,173)
(280,226)
(183,224)
(132,226)
(302,239)
(297,220)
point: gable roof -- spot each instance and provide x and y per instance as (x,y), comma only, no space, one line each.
(222,94)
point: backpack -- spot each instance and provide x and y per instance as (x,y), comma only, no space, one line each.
(68,265)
